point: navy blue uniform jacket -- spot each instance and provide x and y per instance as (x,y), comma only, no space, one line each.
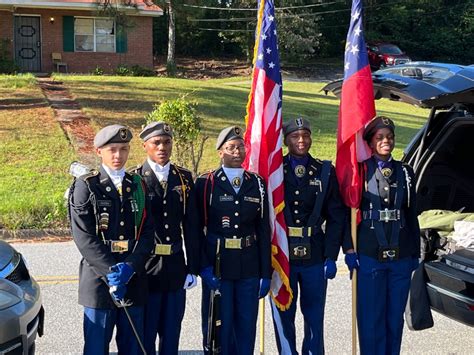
(175,215)
(409,235)
(300,198)
(232,215)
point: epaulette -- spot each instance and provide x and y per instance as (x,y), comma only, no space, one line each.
(319,161)
(90,174)
(206,174)
(254,174)
(182,169)
(134,169)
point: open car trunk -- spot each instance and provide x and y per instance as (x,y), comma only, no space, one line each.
(445,181)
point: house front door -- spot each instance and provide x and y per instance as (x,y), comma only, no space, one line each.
(28,43)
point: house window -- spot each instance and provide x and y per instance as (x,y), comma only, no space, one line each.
(94,35)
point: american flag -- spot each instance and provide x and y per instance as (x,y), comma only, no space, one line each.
(357,108)
(264,142)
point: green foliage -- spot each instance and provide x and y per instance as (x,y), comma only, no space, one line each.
(134,70)
(7,65)
(186,123)
(17,81)
(138,70)
(122,70)
(98,71)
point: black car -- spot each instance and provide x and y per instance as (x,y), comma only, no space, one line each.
(21,310)
(441,156)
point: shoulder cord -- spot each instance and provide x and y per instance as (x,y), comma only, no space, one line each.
(210,178)
(262,194)
(183,189)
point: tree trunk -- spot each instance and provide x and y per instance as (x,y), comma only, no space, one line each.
(171,34)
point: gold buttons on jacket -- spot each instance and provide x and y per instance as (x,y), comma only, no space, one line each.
(165,214)
(297,192)
(121,237)
(236,214)
(122,223)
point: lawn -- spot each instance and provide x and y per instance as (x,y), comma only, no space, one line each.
(34,157)
(35,153)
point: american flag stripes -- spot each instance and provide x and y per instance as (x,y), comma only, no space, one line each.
(264,142)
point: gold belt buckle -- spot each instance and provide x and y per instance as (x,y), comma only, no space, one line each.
(295,232)
(119,246)
(163,249)
(233,243)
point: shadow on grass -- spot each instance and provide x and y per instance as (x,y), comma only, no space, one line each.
(21,104)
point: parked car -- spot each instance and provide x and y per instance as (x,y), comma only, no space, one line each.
(382,55)
(21,310)
(441,156)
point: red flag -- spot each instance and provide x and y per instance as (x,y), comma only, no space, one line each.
(356,110)
(264,142)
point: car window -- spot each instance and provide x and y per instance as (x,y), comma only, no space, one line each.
(390,49)
(429,74)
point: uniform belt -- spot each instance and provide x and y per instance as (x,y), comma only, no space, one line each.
(168,249)
(233,243)
(385,215)
(120,246)
(299,232)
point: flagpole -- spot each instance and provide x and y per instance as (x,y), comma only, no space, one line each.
(354,282)
(261,305)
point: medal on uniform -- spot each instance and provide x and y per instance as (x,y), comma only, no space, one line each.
(300,170)
(104,221)
(236,182)
(386,172)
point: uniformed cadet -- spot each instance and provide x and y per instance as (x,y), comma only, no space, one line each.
(170,191)
(311,198)
(234,215)
(388,242)
(114,236)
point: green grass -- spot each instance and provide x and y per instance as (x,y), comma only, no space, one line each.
(33,160)
(35,153)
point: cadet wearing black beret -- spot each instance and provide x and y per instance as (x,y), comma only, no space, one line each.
(111,229)
(388,242)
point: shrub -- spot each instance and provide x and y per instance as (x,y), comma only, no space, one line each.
(122,70)
(98,71)
(138,70)
(187,136)
(7,65)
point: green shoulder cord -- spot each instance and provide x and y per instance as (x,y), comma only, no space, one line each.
(139,196)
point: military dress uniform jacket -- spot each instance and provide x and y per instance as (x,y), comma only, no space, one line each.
(90,196)
(227,215)
(409,229)
(176,217)
(300,199)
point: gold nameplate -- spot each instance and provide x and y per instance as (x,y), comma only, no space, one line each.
(119,246)
(163,249)
(233,243)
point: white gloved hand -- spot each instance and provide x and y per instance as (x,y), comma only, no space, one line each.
(190,282)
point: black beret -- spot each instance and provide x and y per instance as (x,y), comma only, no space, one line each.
(227,134)
(377,123)
(295,125)
(112,134)
(156,129)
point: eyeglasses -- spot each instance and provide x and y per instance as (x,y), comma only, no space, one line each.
(233,148)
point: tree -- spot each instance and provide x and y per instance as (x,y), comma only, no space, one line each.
(188,139)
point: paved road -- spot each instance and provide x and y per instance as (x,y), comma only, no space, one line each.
(55,266)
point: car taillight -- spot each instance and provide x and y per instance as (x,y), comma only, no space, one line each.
(389,60)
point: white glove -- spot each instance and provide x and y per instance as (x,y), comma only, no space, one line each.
(190,282)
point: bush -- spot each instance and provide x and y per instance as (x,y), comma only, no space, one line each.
(138,70)
(7,65)
(122,70)
(98,71)
(186,124)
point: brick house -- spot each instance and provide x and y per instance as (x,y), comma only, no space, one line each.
(36,29)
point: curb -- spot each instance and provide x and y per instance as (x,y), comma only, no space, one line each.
(62,234)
